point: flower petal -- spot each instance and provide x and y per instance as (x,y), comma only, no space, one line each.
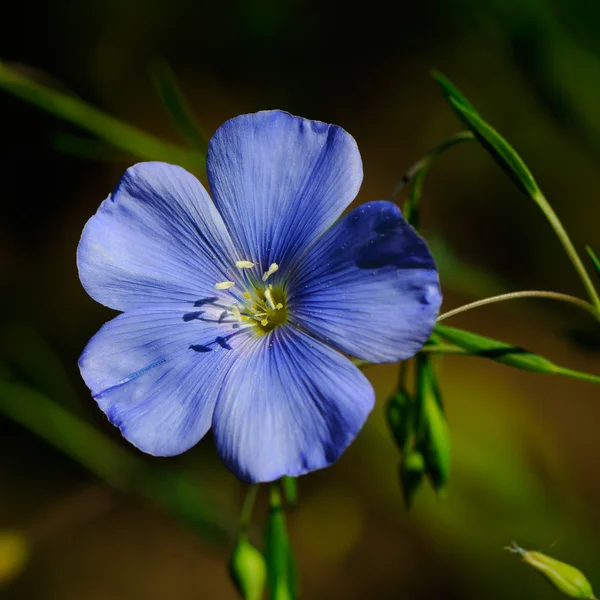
(156,373)
(369,286)
(157,239)
(288,405)
(281,181)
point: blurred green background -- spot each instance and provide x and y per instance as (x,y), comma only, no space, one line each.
(525,446)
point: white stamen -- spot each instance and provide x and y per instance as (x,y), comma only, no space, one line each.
(224,285)
(269,298)
(244,264)
(235,311)
(272,269)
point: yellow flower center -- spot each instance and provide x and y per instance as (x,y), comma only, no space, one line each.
(260,302)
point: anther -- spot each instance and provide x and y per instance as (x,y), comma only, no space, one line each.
(272,269)
(264,322)
(269,298)
(244,264)
(224,285)
(235,311)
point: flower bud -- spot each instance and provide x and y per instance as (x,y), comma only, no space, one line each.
(248,570)
(437,445)
(14,553)
(565,578)
(411,473)
(398,417)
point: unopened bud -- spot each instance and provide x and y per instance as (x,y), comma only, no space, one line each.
(398,417)
(437,452)
(412,469)
(14,553)
(565,578)
(248,570)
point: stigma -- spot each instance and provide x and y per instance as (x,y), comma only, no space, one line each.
(256,301)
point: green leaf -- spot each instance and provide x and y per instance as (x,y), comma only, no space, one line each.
(121,135)
(507,354)
(594,259)
(450,90)
(502,152)
(512,164)
(177,106)
(280,563)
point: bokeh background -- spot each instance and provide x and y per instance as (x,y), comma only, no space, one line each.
(525,446)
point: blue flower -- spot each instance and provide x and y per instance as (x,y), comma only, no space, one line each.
(237,312)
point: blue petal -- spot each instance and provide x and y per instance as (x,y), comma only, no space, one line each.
(281,181)
(157,239)
(369,286)
(156,373)
(288,405)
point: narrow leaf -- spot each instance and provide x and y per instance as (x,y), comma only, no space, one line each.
(502,152)
(508,354)
(450,90)
(595,259)
(177,106)
(121,135)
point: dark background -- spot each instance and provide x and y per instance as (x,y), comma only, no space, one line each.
(525,446)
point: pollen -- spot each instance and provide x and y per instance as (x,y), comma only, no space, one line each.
(255,303)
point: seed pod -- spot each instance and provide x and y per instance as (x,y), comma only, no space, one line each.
(565,578)
(14,553)
(412,469)
(248,570)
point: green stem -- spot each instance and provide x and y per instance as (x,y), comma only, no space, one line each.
(523,294)
(457,138)
(565,240)
(247,508)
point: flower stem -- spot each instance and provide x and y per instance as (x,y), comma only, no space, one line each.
(247,508)
(457,138)
(565,240)
(524,294)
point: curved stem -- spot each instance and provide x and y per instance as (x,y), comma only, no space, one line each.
(565,240)
(457,138)
(524,294)
(247,508)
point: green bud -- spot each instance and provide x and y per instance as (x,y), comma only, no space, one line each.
(248,570)
(565,578)
(437,443)
(14,553)
(412,469)
(397,413)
